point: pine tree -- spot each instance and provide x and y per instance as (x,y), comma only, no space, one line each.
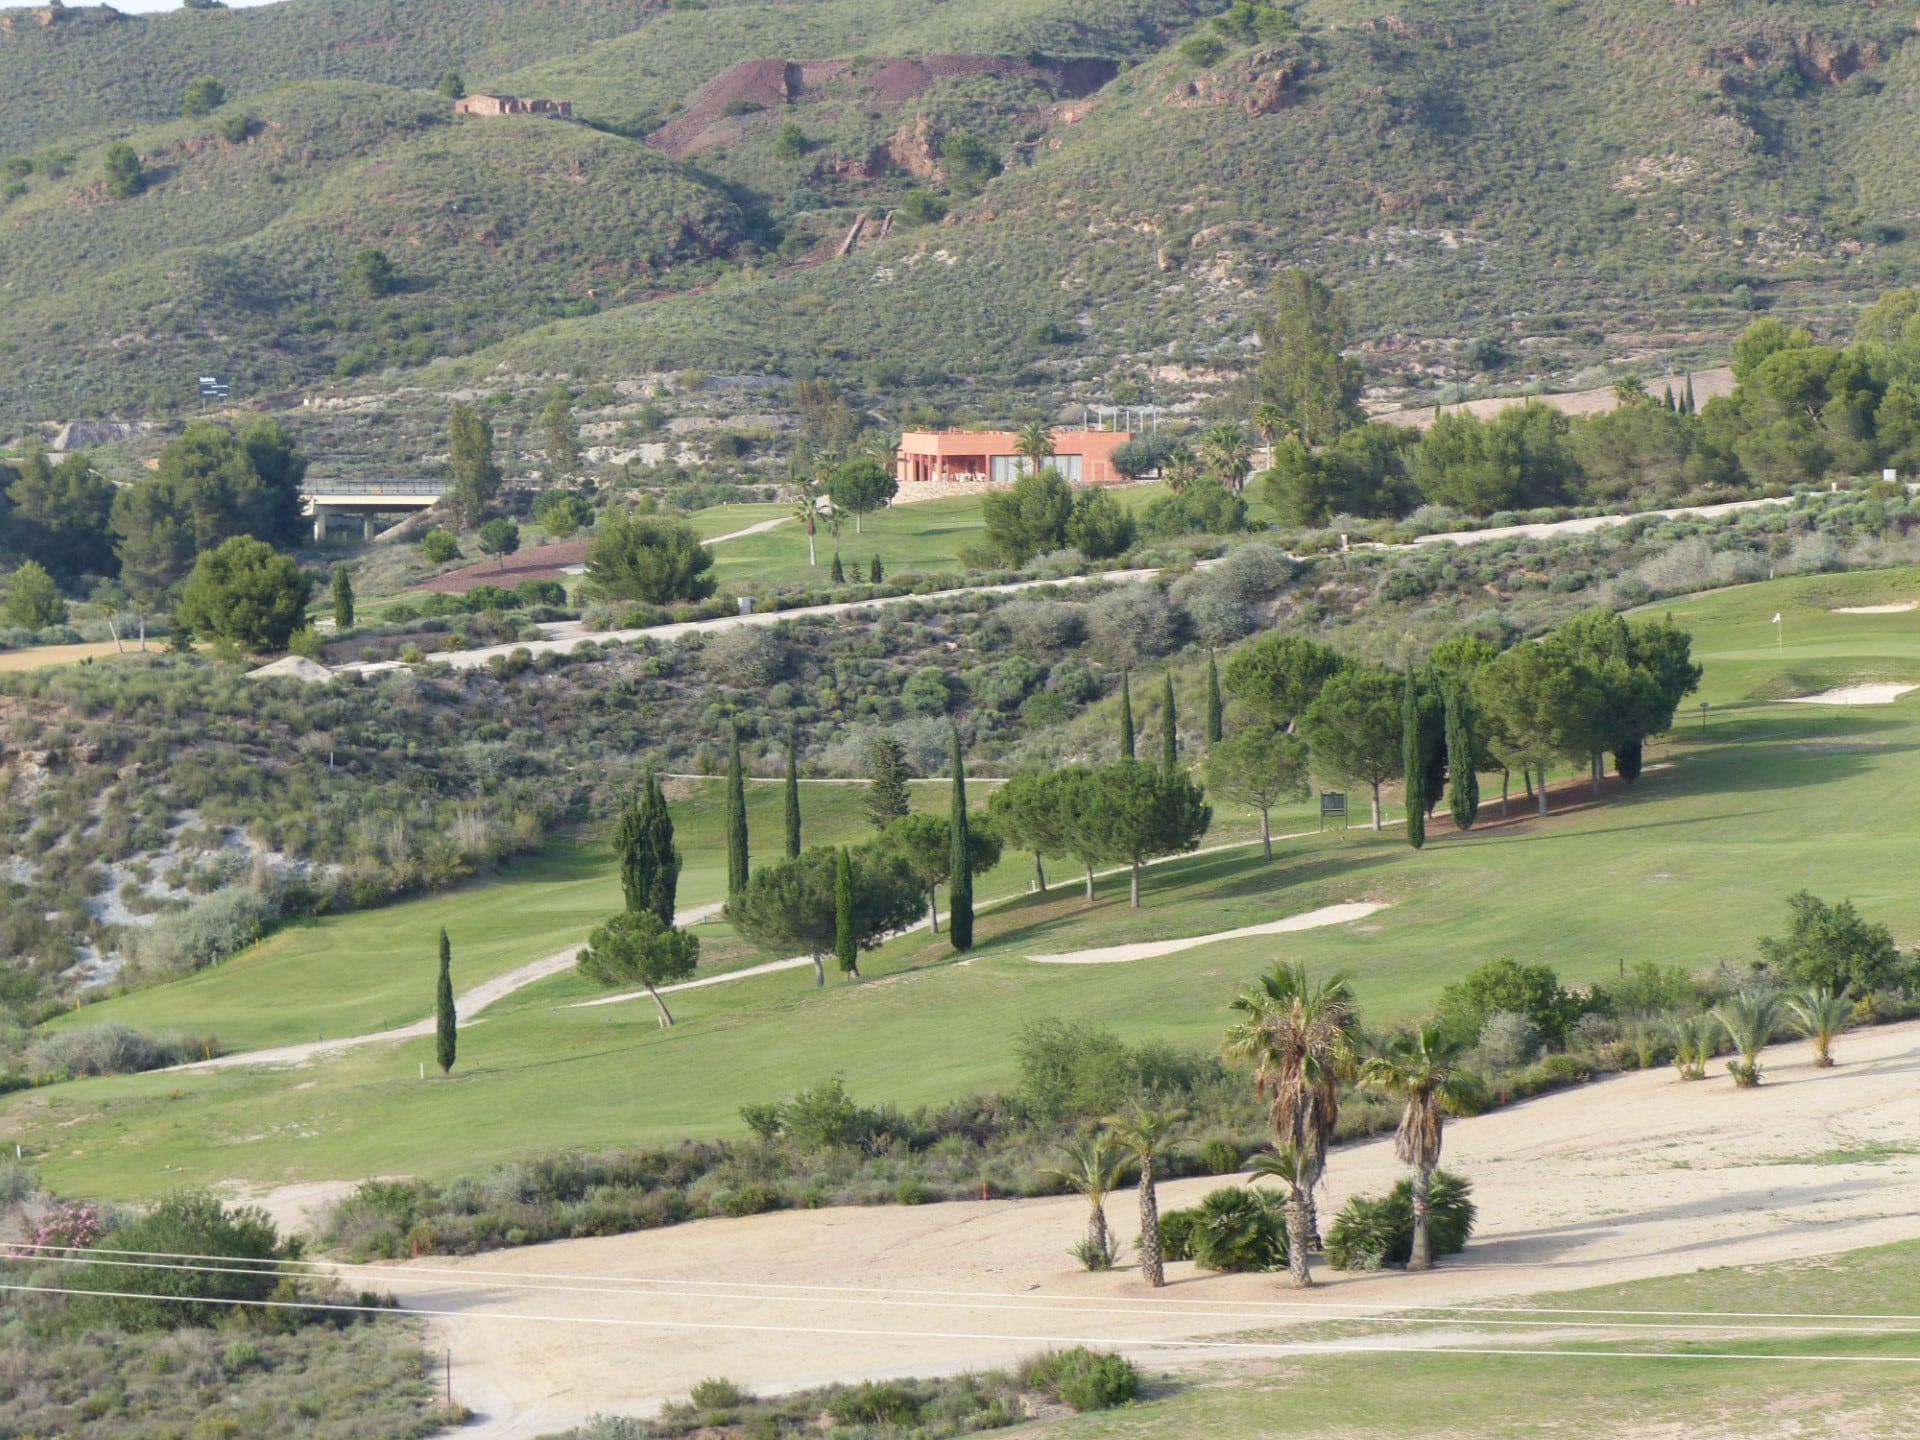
(736,819)
(875,573)
(960,858)
(342,600)
(846,941)
(446,1036)
(1463,785)
(1126,717)
(793,791)
(1169,729)
(1216,708)
(1415,763)
(839,572)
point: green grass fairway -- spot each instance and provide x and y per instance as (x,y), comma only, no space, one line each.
(1688,866)
(925,536)
(1547,1392)
(372,970)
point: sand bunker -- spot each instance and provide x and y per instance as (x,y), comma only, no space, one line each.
(1897,609)
(1147,950)
(1854,695)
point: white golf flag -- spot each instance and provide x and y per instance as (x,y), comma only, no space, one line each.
(1776,617)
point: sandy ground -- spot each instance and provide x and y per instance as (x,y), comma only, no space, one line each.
(1898,608)
(1148,949)
(40,655)
(1854,695)
(1706,385)
(1635,1176)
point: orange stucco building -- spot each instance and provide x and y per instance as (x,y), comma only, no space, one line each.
(989,457)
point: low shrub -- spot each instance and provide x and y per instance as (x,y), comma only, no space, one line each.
(110,1049)
(1085,1379)
(1235,1229)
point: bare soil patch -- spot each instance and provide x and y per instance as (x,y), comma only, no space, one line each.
(1635,1176)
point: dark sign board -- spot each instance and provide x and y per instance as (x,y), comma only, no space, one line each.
(216,387)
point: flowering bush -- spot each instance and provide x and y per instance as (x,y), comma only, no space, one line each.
(75,1225)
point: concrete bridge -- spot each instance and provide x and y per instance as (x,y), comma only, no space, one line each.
(365,498)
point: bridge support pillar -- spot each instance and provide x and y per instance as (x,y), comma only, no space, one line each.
(367,528)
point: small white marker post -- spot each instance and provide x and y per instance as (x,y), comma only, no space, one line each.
(1779,636)
(423,1069)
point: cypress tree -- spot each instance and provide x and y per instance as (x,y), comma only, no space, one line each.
(959,858)
(1169,729)
(838,574)
(1126,717)
(1414,761)
(793,792)
(1463,785)
(736,820)
(662,860)
(342,600)
(846,943)
(875,572)
(1686,398)
(446,1036)
(1216,710)
(1666,399)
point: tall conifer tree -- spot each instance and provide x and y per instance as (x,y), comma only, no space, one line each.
(1126,717)
(1463,784)
(793,791)
(846,940)
(1216,708)
(1414,762)
(446,1023)
(960,858)
(1169,729)
(736,819)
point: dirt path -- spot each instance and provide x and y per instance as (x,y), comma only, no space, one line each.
(1598,401)
(1150,949)
(760,529)
(1635,1176)
(565,635)
(1586,524)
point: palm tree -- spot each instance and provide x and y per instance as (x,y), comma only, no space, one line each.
(1269,419)
(1149,1135)
(1695,1038)
(1298,1038)
(1750,1020)
(1094,1167)
(806,510)
(1034,443)
(1423,1069)
(1820,1014)
(1225,449)
(1179,469)
(1291,1165)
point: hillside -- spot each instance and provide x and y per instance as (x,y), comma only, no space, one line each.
(1572,183)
